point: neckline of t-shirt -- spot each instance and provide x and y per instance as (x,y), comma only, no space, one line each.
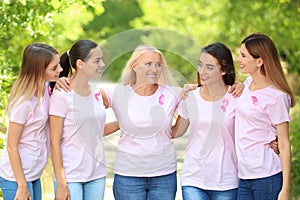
(132,90)
(260,89)
(219,100)
(75,93)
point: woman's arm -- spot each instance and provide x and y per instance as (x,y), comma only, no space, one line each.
(63,83)
(236,89)
(180,127)
(284,146)
(56,129)
(13,138)
(111,127)
(105,99)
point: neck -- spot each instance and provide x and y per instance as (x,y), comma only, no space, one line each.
(80,85)
(213,93)
(145,89)
(259,81)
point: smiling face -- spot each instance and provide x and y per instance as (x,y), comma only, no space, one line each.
(248,64)
(148,68)
(209,70)
(94,66)
(53,69)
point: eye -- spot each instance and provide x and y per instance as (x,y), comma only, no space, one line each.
(148,64)
(97,60)
(158,65)
(54,68)
(200,65)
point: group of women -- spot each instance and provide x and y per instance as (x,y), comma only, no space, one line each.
(228,155)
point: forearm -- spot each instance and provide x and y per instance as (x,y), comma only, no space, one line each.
(285,157)
(111,127)
(16,165)
(284,147)
(180,127)
(57,162)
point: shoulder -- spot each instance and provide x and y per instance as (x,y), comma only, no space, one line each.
(171,89)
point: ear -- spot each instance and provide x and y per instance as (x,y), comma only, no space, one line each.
(79,63)
(223,73)
(259,62)
(133,66)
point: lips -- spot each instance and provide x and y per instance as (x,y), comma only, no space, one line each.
(204,78)
(152,76)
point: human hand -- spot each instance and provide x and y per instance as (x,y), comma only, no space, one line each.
(22,193)
(283,195)
(62,193)
(63,83)
(185,90)
(236,89)
(274,146)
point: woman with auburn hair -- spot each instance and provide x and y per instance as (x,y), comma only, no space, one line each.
(26,152)
(262,115)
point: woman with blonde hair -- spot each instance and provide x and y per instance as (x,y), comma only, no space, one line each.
(26,152)
(144,105)
(262,115)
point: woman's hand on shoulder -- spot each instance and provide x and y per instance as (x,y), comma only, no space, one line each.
(236,89)
(185,90)
(63,83)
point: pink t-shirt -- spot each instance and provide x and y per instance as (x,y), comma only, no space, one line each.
(34,141)
(210,161)
(257,114)
(81,142)
(145,148)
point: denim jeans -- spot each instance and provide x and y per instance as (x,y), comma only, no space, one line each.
(260,189)
(9,189)
(91,190)
(145,188)
(194,193)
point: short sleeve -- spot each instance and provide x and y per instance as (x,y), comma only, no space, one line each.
(109,91)
(278,109)
(21,113)
(182,109)
(58,104)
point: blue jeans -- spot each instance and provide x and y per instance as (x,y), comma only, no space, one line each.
(194,193)
(91,190)
(261,188)
(9,189)
(145,188)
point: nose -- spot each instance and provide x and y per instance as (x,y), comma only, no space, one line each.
(201,70)
(102,64)
(154,67)
(60,69)
(238,59)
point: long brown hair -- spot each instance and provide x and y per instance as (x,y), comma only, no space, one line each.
(31,79)
(261,46)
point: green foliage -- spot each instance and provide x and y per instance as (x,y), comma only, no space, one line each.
(21,22)
(272,17)
(121,25)
(295,142)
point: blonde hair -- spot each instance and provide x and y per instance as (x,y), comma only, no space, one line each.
(128,75)
(260,45)
(31,80)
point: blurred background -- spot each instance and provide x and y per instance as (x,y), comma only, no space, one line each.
(179,28)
